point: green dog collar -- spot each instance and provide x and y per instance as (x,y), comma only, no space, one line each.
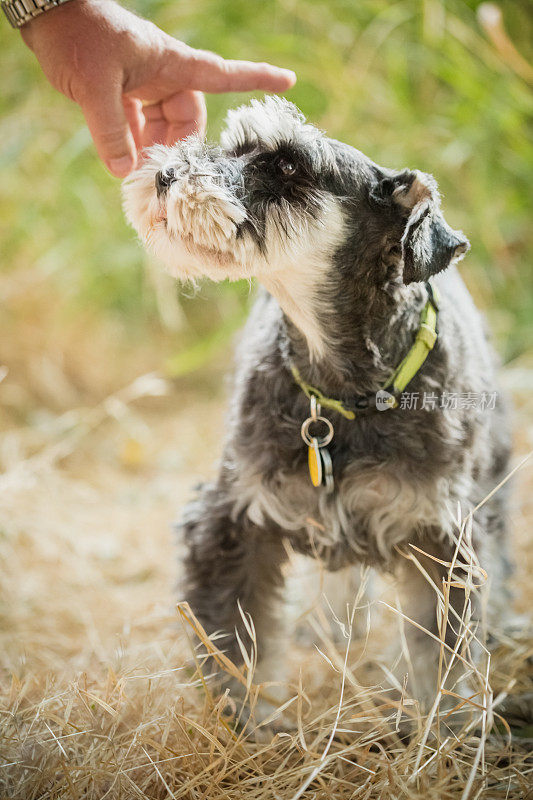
(404,373)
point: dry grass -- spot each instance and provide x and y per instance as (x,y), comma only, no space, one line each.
(100,696)
(102,688)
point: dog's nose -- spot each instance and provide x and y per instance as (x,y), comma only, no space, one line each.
(163,179)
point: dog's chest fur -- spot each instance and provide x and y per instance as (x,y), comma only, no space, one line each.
(372,511)
(398,474)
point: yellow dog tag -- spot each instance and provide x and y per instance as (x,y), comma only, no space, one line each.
(315,462)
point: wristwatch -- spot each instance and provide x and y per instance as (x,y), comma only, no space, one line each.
(19,12)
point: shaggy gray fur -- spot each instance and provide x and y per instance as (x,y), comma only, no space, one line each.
(400,474)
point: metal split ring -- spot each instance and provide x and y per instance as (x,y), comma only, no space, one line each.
(322,441)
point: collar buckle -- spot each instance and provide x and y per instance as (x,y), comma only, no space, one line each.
(427,335)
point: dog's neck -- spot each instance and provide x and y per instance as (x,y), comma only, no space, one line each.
(343,351)
(298,302)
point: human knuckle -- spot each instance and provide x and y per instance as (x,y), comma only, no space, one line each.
(111,138)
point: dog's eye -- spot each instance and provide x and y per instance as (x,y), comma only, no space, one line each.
(286,167)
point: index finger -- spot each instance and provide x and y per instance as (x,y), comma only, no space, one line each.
(208,72)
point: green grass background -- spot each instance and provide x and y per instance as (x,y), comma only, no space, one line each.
(410,83)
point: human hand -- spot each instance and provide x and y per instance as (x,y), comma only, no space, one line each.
(136,85)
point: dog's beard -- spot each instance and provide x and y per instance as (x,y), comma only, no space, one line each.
(192,227)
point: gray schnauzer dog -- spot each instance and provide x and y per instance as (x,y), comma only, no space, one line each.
(358,269)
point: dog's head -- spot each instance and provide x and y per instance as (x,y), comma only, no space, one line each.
(280,201)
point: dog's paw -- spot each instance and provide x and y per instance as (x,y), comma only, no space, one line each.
(252,715)
(517,711)
(259,720)
(517,629)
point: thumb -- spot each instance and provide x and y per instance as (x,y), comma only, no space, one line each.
(108,126)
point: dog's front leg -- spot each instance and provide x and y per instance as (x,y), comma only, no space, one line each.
(436,621)
(231,562)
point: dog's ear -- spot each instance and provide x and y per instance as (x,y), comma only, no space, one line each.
(428,244)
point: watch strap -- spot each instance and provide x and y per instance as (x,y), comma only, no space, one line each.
(19,12)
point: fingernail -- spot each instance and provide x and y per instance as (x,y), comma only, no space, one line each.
(290,75)
(121,166)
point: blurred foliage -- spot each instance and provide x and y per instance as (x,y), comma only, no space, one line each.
(411,83)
